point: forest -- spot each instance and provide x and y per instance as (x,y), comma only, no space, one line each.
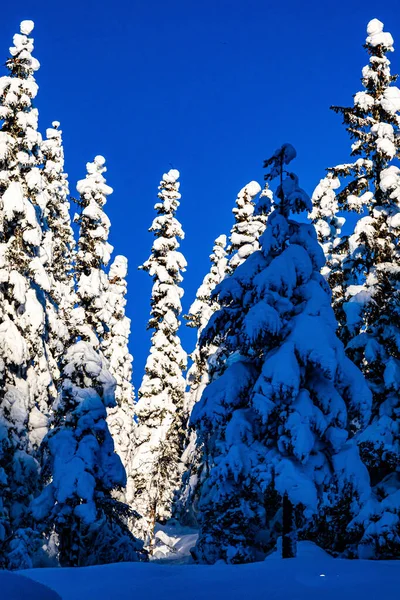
(280,426)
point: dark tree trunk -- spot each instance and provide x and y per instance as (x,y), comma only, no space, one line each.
(289,533)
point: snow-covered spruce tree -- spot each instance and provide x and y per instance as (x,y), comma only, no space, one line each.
(249,225)
(81,469)
(199,314)
(197,379)
(58,243)
(367,280)
(25,379)
(114,347)
(93,254)
(276,426)
(160,431)
(373,125)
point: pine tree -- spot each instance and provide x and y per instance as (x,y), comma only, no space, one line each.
(197,379)
(200,313)
(249,225)
(366,281)
(161,429)
(93,254)
(25,378)
(82,471)
(59,242)
(373,125)
(276,426)
(57,250)
(115,349)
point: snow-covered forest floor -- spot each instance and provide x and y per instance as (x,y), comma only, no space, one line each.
(312,575)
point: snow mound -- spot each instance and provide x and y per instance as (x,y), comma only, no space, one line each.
(18,587)
(173,543)
(311,576)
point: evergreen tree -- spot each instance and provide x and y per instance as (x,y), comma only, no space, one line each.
(81,469)
(249,225)
(366,281)
(160,432)
(373,125)
(93,254)
(25,378)
(197,379)
(59,242)
(57,250)
(200,313)
(115,348)
(276,426)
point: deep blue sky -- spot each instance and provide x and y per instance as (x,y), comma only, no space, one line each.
(210,87)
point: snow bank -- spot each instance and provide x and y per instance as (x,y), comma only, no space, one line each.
(311,576)
(17,587)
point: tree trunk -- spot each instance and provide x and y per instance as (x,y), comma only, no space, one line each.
(289,533)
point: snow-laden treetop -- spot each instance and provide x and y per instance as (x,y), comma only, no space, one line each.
(26,27)
(23,48)
(378,37)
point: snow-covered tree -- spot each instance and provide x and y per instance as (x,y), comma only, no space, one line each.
(160,433)
(249,224)
(365,279)
(25,377)
(278,425)
(115,348)
(373,125)
(198,377)
(93,254)
(199,314)
(57,250)
(59,242)
(81,469)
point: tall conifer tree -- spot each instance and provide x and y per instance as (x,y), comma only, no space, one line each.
(93,254)
(115,348)
(276,426)
(160,432)
(365,281)
(25,377)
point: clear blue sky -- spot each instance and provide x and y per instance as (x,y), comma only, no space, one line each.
(210,87)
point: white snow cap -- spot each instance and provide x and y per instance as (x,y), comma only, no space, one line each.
(374,26)
(253,188)
(26,27)
(171,176)
(378,37)
(221,240)
(99,160)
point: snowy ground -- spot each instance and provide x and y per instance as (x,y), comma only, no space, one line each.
(312,576)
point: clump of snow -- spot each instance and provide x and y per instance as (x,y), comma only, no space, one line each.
(376,35)
(26,27)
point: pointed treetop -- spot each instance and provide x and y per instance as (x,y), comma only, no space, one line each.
(94,181)
(23,48)
(282,156)
(171,176)
(378,37)
(292,197)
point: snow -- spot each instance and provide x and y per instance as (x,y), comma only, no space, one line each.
(390,100)
(311,576)
(26,27)
(18,587)
(376,35)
